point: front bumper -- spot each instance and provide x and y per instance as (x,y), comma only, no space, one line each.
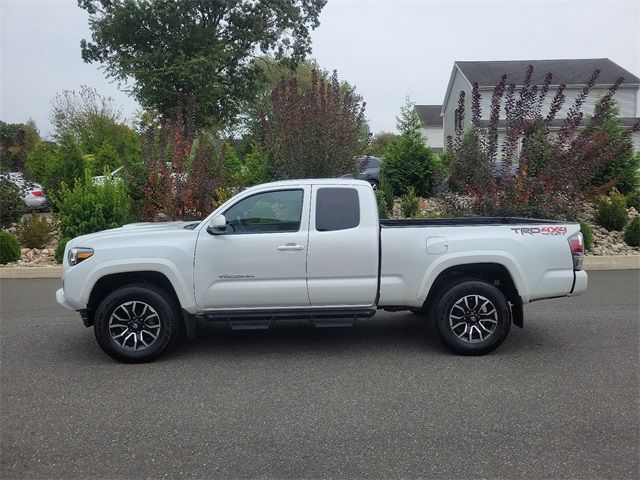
(61,300)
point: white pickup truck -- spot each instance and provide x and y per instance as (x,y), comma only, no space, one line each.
(315,249)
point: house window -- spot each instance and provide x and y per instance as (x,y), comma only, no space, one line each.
(456,119)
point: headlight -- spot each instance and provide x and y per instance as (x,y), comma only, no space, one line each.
(78,254)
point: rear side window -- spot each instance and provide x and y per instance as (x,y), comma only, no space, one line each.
(337,209)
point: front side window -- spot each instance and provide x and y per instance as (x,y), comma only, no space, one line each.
(268,212)
(337,209)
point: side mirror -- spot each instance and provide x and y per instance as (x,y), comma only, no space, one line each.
(218,225)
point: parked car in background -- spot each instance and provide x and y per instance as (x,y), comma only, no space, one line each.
(32,193)
(116,175)
(370,171)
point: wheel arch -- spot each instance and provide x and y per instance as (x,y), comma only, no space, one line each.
(495,274)
(108,283)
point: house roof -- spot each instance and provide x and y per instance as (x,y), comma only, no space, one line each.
(567,71)
(429,115)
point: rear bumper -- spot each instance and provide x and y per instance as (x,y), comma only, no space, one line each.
(580,283)
(35,203)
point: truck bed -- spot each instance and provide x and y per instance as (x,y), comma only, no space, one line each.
(464,222)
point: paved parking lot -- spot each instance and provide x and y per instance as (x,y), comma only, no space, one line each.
(560,399)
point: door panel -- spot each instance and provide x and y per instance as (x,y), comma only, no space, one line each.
(260,262)
(342,262)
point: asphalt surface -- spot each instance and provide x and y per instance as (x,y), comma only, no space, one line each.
(560,399)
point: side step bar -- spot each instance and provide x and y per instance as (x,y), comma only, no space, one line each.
(262,320)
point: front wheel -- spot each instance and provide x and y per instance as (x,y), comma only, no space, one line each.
(136,323)
(473,318)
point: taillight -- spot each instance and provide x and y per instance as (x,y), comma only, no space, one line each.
(36,193)
(577,250)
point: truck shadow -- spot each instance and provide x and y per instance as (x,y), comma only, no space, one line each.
(398,332)
(404,331)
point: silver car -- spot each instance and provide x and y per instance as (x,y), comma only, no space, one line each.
(32,193)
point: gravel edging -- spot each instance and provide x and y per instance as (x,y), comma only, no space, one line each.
(591,262)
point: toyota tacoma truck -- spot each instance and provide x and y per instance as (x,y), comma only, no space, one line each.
(315,249)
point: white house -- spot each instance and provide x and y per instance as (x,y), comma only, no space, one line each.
(573,73)
(431,125)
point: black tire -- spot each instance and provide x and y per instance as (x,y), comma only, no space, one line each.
(163,320)
(481,328)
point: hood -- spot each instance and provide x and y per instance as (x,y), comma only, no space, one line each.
(135,228)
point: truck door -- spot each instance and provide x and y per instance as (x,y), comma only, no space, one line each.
(342,260)
(260,260)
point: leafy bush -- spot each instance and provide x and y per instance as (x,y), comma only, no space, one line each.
(59,252)
(410,203)
(384,209)
(221,195)
(410,163)
(633,200)
(67,166)
(532,168)
(106,158)
(9,248)
(183,169)
(253,169)
(632,233)
(34,231)
(40,161)
(314,132)
(612,211)
(587,234)
(88,208)
(11,203)
(385,189)
(379,143)
(622,171)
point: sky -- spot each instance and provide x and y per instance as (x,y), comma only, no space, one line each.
(387,49)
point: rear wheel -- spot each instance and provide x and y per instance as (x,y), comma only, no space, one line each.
(473,318)
(136,323)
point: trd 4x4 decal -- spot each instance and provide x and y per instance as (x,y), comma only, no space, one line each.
(540,230)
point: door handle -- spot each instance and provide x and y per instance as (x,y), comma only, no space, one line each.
(290,247)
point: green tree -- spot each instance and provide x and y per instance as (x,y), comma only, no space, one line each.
(621,171)
(201,49)
(408,122)
(16,142)
(106,156)
(11,203)
(92,119)
(67,166)
(40,160)
(379,143)
(314,133)
(408,161)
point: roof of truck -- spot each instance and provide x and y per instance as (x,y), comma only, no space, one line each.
(313,181)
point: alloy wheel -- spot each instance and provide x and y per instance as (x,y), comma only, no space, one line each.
(473,318)
(134,325)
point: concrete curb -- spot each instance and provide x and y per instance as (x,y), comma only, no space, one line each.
(31,272)
(612,262)
(591,263)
